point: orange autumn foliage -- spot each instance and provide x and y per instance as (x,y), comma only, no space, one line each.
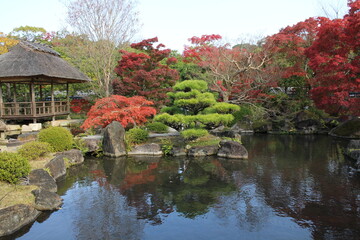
(129,112)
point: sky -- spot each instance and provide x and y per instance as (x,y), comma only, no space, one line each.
(175,21)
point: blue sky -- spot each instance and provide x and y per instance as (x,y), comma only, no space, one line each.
(174,21)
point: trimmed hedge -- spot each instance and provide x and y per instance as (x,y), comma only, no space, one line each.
(157,127)
(13,166)
(136,135)
(193,133)
(59,138)
(34,150)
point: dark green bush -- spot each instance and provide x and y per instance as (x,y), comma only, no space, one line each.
(34,150)
(240,114)
(193,133)
(157,127)
(136,135)
(222,107)
(13,166)
(59,138)
(175,121)
(215,120)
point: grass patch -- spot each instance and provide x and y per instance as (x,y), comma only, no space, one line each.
(11,194)
(40,163)
(208,140)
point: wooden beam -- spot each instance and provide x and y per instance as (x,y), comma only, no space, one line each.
(52,101)
(33,103)
(15,100)
(1,102)
(67,100)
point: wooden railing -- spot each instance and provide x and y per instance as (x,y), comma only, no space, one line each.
(27,109)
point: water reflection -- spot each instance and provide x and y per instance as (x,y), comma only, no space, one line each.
(292,187)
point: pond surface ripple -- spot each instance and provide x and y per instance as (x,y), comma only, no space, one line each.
(292,187)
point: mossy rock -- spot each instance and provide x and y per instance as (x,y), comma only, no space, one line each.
(347,129)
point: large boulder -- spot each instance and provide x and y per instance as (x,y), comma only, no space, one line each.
(114,140)
(232,149)
(15,217)
(45,200)
(347,129)
(93,142)
(203,151)
(353,150)
(42,179)
(153,149)
(73,156)
(57,167)
(28,136)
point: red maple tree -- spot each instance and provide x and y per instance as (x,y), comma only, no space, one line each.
(146,72)
(234,71)
(335,59)
(289,62)
(129,112)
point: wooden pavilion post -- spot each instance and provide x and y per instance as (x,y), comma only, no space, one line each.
(67,100)
(52,101)
(1,102)
(33,103)
(16,105)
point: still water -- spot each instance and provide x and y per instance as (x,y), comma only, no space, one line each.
(291,187)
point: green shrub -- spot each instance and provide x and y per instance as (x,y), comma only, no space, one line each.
(222,107)
(13,166)
(193,133)
(59,138)
(191,84)
(241,113)
(175,121)
(157,127)
(34,150)
(136,135)
(215,120)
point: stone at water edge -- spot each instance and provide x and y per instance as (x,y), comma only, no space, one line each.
(203,151)
(57,167)
(114,140)
(42,179)
(15,217)
(74,156)
(45,200)
(153,149)
(232,149)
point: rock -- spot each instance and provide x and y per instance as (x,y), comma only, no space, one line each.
(232,149)
(13,127)
(203,151)
(35,126)
(353,150)
(45,200)
(178,151)
(262,127)
(226,133)
(29,136)
(147,149)
(114,140)
(42,179)
(347,129)
(93,142)
(57,167)
(2,125)
(74,156)
(15,217)
(25,128)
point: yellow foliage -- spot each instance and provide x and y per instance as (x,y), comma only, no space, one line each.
(6,43)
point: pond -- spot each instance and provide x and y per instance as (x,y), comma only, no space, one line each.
(291,187)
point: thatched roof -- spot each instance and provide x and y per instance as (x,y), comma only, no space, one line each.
(35,62)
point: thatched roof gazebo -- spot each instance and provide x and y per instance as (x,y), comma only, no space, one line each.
(31,66)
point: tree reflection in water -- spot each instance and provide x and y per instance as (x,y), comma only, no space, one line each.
(292,187)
